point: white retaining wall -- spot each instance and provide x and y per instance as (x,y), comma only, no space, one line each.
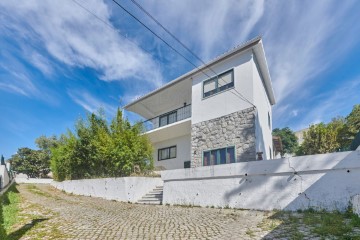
(33,180)
(324,181)
(5,179)
(127,189)
(355,202)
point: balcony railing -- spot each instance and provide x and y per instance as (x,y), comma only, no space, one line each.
(168,118)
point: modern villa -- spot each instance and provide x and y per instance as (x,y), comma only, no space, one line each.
(219,113)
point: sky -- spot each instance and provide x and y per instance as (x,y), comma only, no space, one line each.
(60,59)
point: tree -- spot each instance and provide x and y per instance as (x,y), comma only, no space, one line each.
(353,121)
(288,139)
(356,142)
(28,161)
(320,138)
(34,163)
(99,149)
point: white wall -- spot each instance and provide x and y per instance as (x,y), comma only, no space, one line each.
(33,180)
(263,132)
(5,179)
(225,102)
(183,152)
(127,189)
(355,201)
(324,181)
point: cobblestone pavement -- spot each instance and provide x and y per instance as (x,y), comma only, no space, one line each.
(78,217)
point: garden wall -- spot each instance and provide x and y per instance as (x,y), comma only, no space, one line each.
(126,189)
(33,180)
(324,181)
(5,178)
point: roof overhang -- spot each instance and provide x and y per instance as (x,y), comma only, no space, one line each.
(254,44)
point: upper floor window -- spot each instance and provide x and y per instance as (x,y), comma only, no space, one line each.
(269,120)
(219,83)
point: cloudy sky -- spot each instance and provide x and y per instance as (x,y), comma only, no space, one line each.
(62,58)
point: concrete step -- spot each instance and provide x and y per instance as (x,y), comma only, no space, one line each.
(150,202)
(153,197)
(155,192)
(150,199)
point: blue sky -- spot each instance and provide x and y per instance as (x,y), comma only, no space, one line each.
(58,61)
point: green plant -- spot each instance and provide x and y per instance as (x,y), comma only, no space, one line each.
(99,149)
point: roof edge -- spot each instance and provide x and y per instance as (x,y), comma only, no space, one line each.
(228,54)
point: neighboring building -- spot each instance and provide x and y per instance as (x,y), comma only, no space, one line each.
(203,118)
(300,135)
(277,147)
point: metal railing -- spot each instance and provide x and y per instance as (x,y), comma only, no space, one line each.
(168,118)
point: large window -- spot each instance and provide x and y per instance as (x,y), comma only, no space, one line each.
(167,153)
(167,119)
(219,83)
(219,156)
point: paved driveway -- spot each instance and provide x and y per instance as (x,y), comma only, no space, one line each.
(56,215)
(78,217)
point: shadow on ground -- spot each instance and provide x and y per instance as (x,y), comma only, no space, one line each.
(21,231)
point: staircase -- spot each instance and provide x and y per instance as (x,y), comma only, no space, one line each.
(154,197)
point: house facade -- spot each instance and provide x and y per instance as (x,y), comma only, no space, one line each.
(219,113)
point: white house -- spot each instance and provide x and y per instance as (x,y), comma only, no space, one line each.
(218,113)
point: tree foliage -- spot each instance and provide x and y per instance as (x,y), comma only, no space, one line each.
(353,121)
(337,135)
(320,138)
(288,140)
(30,162)
(356,142)
(99,149)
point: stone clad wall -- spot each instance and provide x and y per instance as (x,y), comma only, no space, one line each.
(236,129)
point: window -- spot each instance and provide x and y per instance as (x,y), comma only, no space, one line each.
(269,121)
(219,83)
(168,119)
(167,153)
(219,156)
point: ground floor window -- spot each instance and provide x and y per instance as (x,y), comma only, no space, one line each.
(219,156)
(167,153)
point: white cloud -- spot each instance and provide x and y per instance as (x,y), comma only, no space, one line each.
(74,37)
(91,103)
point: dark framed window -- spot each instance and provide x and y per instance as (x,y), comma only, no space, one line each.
(167,153)
(167,119)
(219,83)
(219,156)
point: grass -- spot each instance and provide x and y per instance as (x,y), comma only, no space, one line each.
(250,232)
(323,224)
(32,188)
(20,218)
(10,207)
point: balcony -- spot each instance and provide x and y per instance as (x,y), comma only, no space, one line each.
(168,118)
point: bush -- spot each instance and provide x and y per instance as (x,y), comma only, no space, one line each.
(97,149)
(356,142)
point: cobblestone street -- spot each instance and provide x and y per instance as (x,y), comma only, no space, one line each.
(77,217)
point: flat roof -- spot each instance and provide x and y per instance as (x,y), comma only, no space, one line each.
(242,47)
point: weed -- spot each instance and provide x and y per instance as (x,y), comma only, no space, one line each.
(250,232)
